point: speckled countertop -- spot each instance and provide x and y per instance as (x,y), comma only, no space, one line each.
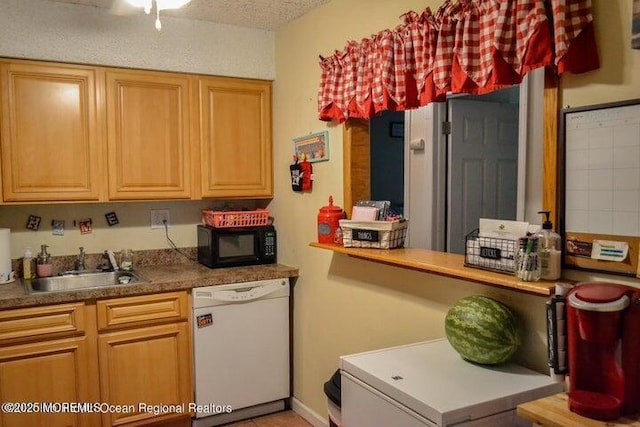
(161,278)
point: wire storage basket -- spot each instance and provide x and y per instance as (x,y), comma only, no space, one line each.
(490,253)
(373,234)
(227,219)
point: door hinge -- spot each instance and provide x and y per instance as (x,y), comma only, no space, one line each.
(446,128)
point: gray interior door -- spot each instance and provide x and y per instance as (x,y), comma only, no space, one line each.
(482,166)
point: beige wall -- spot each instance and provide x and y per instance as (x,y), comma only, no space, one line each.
(344,305)
(133,231)
(619,75)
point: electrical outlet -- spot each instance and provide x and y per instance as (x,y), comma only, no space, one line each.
(159,217)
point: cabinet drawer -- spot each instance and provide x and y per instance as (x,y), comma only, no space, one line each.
(23,324)
(142,310)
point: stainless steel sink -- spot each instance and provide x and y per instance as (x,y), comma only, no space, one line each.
(84,279)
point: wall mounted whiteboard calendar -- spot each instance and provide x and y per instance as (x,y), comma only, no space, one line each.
(601,221)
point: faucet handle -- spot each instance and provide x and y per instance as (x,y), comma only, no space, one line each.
(112,260)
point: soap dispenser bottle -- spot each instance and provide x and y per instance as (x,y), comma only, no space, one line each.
(549,250)
(44,268)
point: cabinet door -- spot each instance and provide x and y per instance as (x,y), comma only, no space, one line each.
(43,373)
(146,366)
(235,137)
(51,139)
(148,117)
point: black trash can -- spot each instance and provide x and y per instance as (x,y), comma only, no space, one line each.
(334,400)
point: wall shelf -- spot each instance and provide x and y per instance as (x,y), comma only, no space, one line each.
(442,264)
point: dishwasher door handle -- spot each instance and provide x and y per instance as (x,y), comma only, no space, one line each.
(242,294)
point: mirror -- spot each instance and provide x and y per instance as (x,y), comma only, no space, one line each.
(357,154)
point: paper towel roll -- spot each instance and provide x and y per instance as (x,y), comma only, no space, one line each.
(6,275)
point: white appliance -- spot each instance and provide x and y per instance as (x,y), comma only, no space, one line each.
(429,384)
(241,350)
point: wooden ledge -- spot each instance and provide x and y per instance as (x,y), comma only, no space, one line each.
(442,264)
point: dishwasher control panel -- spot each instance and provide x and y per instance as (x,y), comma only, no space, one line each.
(239,292)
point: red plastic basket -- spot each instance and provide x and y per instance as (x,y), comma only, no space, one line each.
(226,219)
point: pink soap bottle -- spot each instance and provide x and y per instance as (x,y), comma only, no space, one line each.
(44,268)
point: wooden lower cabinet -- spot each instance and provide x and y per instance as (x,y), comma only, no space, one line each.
(43,375)
(129,356)
(145,358)
(146,369)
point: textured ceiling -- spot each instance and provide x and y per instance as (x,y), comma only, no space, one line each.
(263,14)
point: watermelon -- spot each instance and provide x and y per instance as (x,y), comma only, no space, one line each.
(483,330)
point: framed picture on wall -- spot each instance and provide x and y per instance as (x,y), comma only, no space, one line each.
(313,147)
(635,25)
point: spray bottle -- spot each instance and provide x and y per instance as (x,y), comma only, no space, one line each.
(549,250)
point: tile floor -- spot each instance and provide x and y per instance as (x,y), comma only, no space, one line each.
(280,419)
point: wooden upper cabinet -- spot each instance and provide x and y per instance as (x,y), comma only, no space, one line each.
(51,139)
(235,138)
(148,135)
(73,133)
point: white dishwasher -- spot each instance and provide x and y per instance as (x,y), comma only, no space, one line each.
(429,384)
(241,350)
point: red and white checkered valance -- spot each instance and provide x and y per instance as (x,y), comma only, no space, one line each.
(467,46)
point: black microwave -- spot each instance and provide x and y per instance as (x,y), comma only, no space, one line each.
(232,247)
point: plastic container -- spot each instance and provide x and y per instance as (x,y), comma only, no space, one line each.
(549,250)
(227,219)
(27,264)
(126,259)
(526,260)
(44,268)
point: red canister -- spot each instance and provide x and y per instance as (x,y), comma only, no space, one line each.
(329,222)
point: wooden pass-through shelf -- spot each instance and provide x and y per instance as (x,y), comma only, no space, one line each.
(442,264)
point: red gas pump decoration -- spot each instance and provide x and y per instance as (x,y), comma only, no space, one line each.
(329,223)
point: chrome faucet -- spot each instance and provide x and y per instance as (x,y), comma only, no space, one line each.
(80,260)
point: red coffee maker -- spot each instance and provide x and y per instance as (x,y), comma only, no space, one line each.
(603,333)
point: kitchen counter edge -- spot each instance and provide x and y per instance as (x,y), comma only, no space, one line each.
(164,278)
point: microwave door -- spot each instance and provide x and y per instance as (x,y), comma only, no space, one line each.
(237,248)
